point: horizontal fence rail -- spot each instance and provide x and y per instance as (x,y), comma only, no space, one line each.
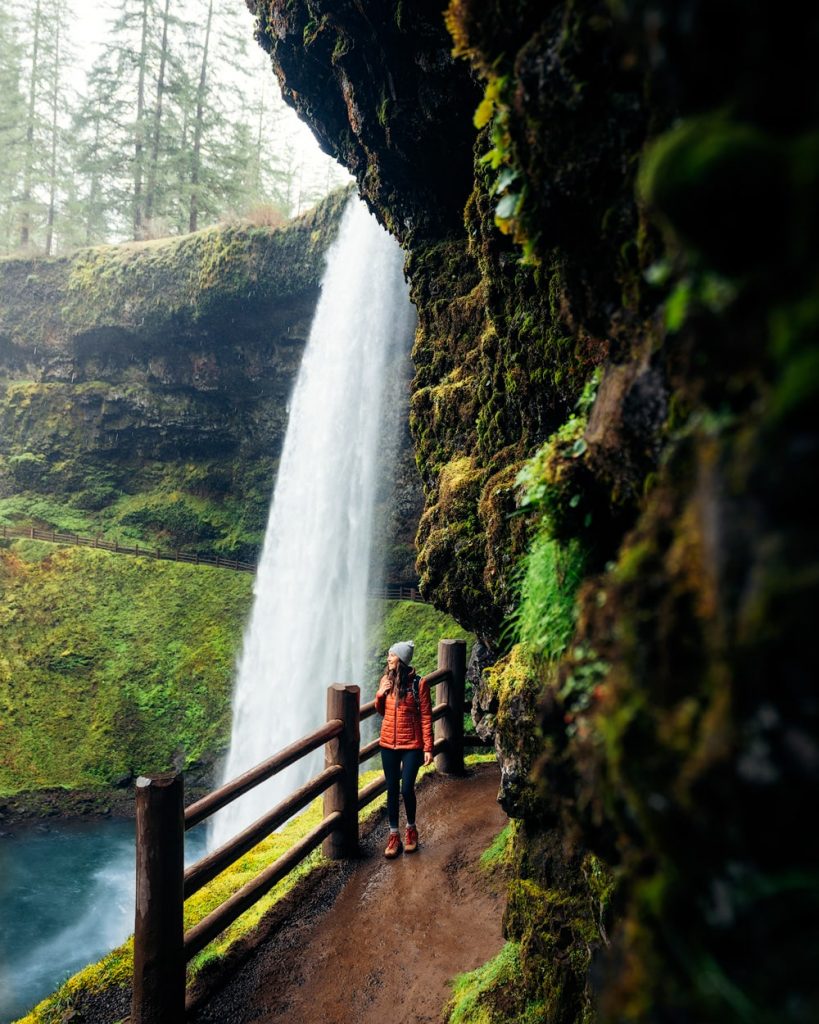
(391,592)
(143,551)
(210,866)
(161,946)
(209,927)
(221,797)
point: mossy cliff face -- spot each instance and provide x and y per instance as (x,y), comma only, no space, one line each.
(617,343)
(112,666)
(144,387)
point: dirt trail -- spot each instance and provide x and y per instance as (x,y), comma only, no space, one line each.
(384,945)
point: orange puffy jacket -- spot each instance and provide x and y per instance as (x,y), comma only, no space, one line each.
(405,725)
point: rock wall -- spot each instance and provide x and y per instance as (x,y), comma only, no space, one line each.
(610,221)
(144,387)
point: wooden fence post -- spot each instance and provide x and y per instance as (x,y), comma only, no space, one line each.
(159,955)
(343,702)
(452,656)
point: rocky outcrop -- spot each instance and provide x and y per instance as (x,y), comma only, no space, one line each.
(615,367)
(144,387)
(146,384)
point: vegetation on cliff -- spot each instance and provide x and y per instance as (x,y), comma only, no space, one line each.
(144,387)
(113,666)
(629,303)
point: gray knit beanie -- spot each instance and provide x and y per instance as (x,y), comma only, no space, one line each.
(404,649)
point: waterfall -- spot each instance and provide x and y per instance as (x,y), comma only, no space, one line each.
(308,624)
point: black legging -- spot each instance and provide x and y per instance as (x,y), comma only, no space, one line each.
(401,768)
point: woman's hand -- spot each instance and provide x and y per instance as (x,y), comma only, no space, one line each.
(427,757)
(384,686)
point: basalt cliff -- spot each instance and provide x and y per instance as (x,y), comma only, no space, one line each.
(610,218)
(144,388)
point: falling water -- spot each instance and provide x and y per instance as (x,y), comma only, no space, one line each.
(308,625)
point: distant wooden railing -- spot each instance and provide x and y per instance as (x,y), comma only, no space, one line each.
(161,946)
(75,539)
(389,592)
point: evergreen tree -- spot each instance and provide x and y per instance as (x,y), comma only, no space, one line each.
(34,54)
(177,126)
(12,125)
(103,200)
(199,125)
(57,178)
(33,127)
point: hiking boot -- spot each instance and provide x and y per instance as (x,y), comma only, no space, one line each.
(411,839)
(393,846)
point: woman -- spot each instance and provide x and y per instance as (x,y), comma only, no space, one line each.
(406,738)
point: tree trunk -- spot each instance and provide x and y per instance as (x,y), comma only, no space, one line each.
(160,88)
(197,133)
(257,170)
(93,188)
(52,170)
(138,143)
(28,169)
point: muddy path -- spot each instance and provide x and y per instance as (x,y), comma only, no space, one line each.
(385,940)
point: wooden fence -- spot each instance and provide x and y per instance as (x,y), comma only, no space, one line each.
(161,946)
(390,592)
(56,537)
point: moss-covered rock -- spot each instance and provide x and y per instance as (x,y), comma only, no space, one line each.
(655,347)
(144,387)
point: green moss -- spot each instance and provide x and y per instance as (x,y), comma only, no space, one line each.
(113,665)
(196,506)
(32,509)
(498,854)
(721,185)
(545,617)
(492,994)
(513,686)
(167,284)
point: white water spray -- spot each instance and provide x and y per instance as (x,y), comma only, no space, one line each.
(308,625)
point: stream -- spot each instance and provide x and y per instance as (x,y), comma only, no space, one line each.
(66,899)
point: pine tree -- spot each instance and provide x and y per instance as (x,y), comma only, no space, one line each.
(58,162)
(12,125)
(177,126)
(199,125)
(34,52)
(31,152)
(102,166)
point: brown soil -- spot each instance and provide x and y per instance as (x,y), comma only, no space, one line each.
(392,934)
